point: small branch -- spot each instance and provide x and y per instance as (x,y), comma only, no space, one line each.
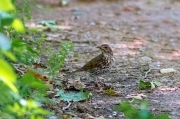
(147,73)
(69,104)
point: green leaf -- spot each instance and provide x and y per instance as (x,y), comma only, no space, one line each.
(152,85)
(6,5)
(10,20)
(130,112)
(17,25)
(47,22)
(7,75)
(30,81)
(157,83)
(6,71)
(144,85)
(144,114)
(75,97)
(23,52)
(126,107)
(27,108)
(56,59)
(5,19)
(123,106)
(61,92)
(163,116)
(9,54)
(5,43)
(144,105)
(148,85)
(136,113)
(110,91)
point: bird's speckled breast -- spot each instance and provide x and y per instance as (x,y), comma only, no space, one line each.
(105,66)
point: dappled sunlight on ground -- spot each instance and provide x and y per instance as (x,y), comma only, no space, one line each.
(129,48)
(137,30)
(174,55)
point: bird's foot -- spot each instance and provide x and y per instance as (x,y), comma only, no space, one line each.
(99,84)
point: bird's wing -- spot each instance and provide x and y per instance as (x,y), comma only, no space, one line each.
(93,63)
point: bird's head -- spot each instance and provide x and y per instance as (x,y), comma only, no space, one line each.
(106,49)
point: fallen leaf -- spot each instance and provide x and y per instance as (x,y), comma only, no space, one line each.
(112,92)
(136,96)
(128,9)
(47,22)
(74,97)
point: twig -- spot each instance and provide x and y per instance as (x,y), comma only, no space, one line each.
(147,73)
(69,104)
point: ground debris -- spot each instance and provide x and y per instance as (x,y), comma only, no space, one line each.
(167,70)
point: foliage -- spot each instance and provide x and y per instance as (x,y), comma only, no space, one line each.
(24,53)
(7,19)
(16,100)
(14,106)
(14,28)
(26,108)
(56,59)
(23,9)
(7,75)
(110,91)
(29,86)
(148,85)
(75,97)
(142,113)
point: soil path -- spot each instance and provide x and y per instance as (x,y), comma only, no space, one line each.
(143,34)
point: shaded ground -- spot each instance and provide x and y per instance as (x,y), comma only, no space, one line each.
(134,29)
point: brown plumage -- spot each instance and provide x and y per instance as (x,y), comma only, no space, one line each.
(101,63)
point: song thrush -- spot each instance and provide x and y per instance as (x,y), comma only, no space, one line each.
(101,63)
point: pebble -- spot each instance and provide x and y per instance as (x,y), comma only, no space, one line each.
(167,70)
(114,113)
(145,59)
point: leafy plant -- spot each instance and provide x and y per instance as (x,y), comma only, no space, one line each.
(10,25)
(26,108)
(148,85)
(135,113)
(56,59)
(29,86)
(109,91)
(24,53)
(14,102)
(23,9)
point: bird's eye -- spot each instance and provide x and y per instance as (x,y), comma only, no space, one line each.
(105,47)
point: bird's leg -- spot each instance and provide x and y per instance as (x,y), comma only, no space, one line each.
(97,83)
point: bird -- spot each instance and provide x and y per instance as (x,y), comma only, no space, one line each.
(100,64)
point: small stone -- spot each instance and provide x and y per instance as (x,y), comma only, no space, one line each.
(145,59)
(114,113)
(101,23)
(167,70)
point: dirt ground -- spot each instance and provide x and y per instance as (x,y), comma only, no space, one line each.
(143,34)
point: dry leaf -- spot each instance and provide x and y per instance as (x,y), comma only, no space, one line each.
(136,96)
